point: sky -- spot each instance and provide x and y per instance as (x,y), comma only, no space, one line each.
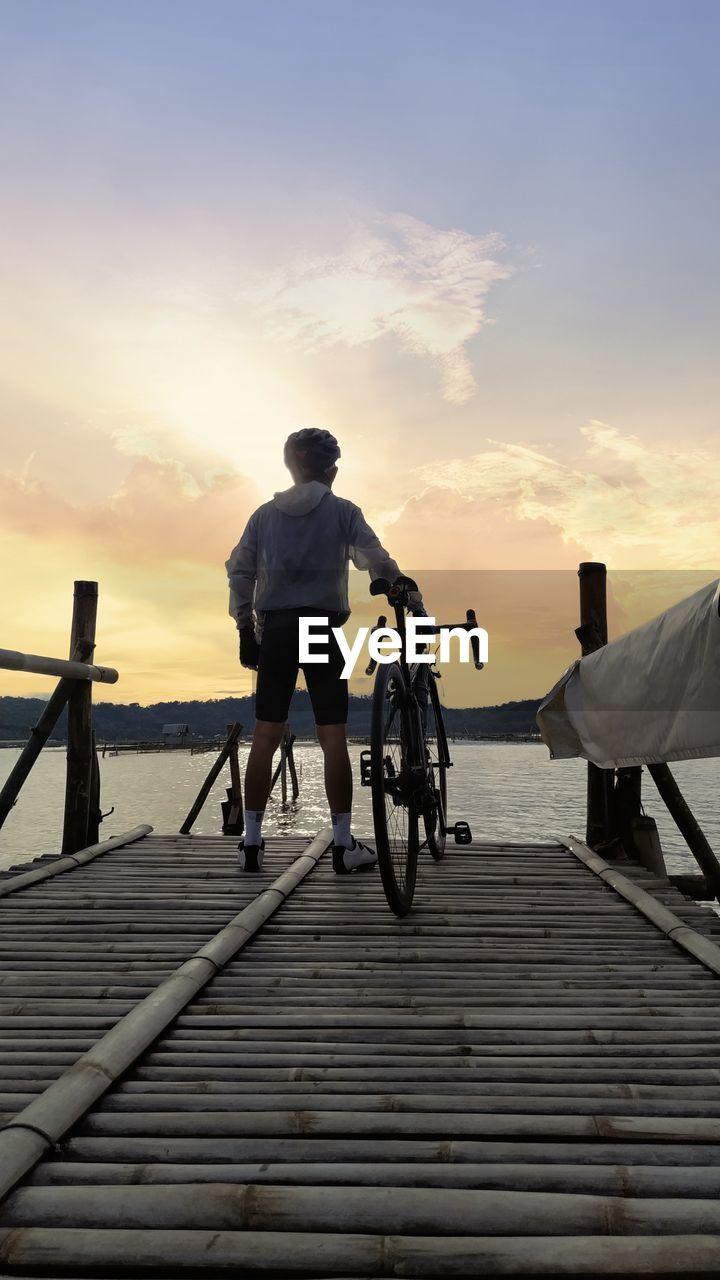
(477,240)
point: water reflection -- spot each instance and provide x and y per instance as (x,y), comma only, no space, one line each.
(508,790)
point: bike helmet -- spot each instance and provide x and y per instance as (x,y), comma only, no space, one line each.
(313,451)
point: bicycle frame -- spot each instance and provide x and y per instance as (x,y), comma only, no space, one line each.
(408,778)
(420,765)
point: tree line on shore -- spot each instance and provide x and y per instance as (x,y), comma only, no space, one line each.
(122,722)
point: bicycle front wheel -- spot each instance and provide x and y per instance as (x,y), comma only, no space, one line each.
(394,805)
(437,749)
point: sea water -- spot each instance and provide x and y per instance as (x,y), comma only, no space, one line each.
(504,790)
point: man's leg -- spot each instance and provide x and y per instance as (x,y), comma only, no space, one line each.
(258,772)
(348,854)
(277,672)
(329,696)
(338,772)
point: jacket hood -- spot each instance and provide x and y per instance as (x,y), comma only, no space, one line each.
(299,499)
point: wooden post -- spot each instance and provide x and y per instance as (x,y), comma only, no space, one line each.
(94,812)
(627,803)
(593,634)
(79,744)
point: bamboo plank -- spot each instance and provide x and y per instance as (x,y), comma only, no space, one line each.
(685,1181)
(198,1149)
(47,1118)
(388,1210)
(333,1254)
(525,1034)
(68,862)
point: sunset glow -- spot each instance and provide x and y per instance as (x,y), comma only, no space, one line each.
(477,241)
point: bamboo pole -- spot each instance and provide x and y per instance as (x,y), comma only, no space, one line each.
(640,1180)
(70,669)
(385,1210)
(707,952)
(338,1124)
(39,735)
(286,1253)
(599,1149)
(616,1104)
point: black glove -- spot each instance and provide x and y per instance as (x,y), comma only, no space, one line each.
(249,648)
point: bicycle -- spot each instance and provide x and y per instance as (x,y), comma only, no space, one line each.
(407,763)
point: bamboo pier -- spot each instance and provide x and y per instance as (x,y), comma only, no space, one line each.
(208,1074)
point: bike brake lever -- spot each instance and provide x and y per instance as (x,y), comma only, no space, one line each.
(381,622)
(475,643)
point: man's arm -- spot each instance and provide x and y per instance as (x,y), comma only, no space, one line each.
(367,552)
(242,573)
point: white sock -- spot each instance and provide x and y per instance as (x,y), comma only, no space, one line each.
(253,825)
(341,829)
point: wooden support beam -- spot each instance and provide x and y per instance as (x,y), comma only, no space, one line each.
(39,736)
(232,808)
(687,825)
(13,660)
(593,634)
(283,769)
(292,769)
(285,766)
(204,792)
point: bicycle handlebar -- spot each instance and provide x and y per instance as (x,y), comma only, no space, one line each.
(468,625)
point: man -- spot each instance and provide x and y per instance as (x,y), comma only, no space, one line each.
(292,560)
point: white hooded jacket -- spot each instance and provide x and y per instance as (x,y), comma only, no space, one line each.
(295,553)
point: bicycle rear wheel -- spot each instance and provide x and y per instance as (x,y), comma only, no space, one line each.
(395,812)
(437,748)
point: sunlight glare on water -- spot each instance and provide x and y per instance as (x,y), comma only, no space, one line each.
(504,790)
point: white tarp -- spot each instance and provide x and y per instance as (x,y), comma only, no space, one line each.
(649,697)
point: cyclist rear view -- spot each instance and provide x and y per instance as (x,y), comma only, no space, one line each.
(292,561)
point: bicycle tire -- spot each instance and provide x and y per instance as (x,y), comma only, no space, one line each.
(435,837)
(395,819)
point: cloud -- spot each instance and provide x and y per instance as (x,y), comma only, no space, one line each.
(446,529)
(397,276)
(629,504)
(158,513)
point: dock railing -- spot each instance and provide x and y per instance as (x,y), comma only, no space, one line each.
(82,814)
(614,796)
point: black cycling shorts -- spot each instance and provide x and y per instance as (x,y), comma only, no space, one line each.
(278,667)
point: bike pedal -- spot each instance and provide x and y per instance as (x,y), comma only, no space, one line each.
(462,833)
(365,768)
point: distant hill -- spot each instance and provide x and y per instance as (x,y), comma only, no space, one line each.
(133,723)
